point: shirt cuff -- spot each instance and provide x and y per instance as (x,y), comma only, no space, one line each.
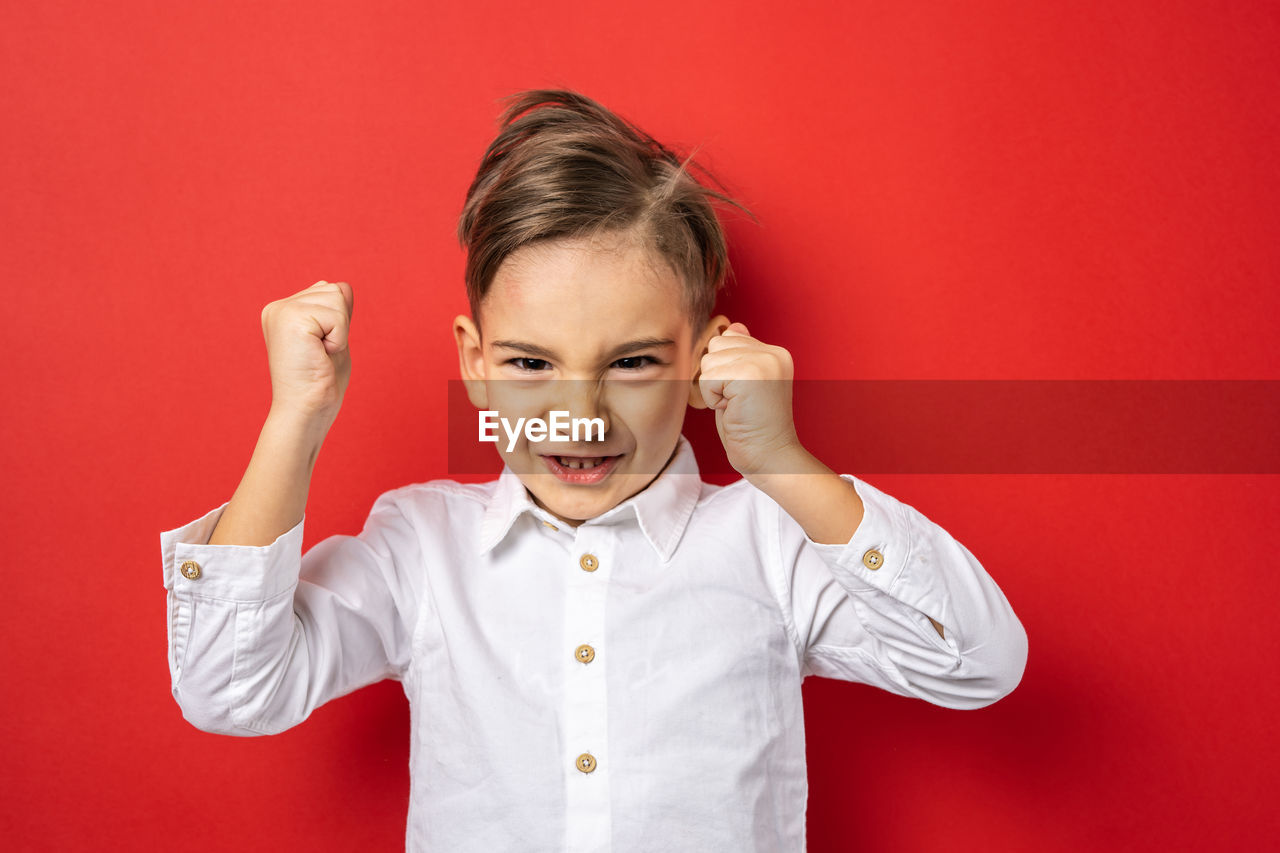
(192,567)
(877,553)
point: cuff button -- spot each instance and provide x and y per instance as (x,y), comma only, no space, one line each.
(190,570)
(873,559)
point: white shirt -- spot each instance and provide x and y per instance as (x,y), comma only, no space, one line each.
(663,642)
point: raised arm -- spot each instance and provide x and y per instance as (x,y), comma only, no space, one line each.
(306,336)
(260,634)
(874,590)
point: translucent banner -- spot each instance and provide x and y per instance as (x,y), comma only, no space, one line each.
(906,426)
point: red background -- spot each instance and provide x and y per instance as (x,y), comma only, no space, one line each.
(946,191)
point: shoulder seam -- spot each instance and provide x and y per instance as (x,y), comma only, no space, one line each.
(719,490)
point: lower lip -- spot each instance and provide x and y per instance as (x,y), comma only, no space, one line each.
(581,476)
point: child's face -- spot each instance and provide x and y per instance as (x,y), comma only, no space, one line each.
(597,330)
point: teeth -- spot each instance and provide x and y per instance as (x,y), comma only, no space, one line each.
(574,462)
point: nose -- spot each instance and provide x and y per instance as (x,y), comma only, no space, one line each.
(583,398)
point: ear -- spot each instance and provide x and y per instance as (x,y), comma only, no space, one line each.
(716,325)
(471,360)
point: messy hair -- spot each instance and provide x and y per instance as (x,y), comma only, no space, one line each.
(563,166)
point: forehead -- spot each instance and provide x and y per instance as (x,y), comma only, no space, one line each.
(585,296)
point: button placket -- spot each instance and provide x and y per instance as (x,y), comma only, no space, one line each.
(590,563)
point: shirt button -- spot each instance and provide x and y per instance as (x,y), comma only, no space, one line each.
(873,559)
(190,570)
(586,762)
(588,562)
(585,653)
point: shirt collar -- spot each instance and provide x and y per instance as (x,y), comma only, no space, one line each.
(662,508)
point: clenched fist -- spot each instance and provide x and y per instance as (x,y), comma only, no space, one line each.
(307,351)
(748,383)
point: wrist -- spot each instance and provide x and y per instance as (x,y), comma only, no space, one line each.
(788,460)
(289,427)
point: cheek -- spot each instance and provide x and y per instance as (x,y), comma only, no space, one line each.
(652,408)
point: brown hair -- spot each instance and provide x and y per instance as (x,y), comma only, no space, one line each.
(563,166)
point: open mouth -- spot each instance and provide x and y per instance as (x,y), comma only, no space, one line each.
(581,469)
(580,462)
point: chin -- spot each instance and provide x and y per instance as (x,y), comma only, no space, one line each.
(579,502)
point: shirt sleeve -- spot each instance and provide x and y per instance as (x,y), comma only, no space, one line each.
(861,610)
(260,636)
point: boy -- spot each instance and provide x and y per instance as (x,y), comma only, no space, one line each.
(600,651)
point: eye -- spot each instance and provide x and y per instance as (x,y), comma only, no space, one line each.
(635,362)
(530,365)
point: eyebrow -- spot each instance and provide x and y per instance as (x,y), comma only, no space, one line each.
(542,352)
